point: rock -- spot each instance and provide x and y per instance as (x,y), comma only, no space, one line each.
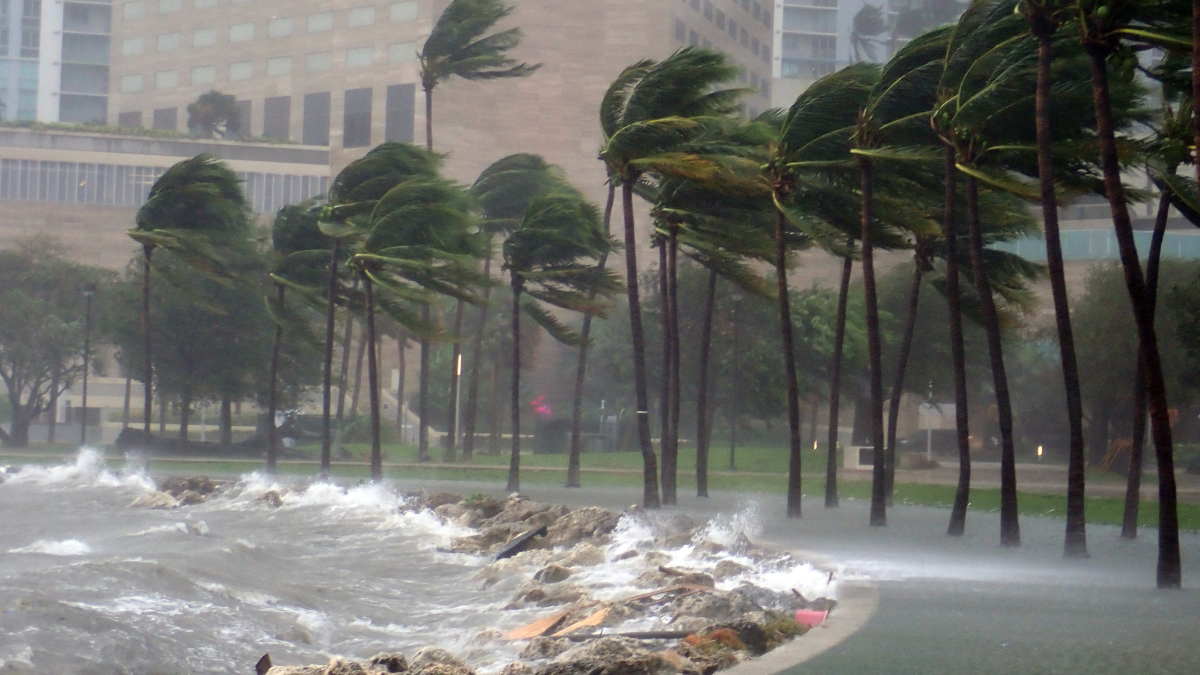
(436,655)
(708,655)
(450,511)
(549,596)
(765,597)
(710,547)
(487,539)
(678,662)
(678,540)
(657,558)
(202,485)
(297,670)
(626,555)
(649,664)
(551,574)
(690,577)
(586,523)
(190,498)
(678,523)
(487,505)
(271,498)
(727,569)
(439,498)
(343,667)
(517,668)
(585,555)
(651,578)
(715,606)
(154,500)
(392,663)
(439,669)
(751,634)
(198,528)
(605,649)
(545,648)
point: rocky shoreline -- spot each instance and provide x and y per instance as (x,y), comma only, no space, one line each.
(630,593)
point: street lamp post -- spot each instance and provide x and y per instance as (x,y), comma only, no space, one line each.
(88,290)
(737,376)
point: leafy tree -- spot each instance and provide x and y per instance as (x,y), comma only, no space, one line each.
(214,114)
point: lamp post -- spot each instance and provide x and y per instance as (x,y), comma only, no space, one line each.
(88,290)
(737,376)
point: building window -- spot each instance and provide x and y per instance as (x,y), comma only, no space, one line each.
(360,57)
(766,54)
(279,27)
(766,87)
(361,16)
(680,30)
(205,4)
(317,63)
(243,70)
(205,37)
(824,46)
(708,10)
(166,118)
(168,42)
(402,52)
(129,119)
(400,116)
(204,75)
(132,47)
(745,38)
(241,32)
(277,117)
(757,12)
(356,122)
(404,11)
(733,29)
(316,119)
(169,6)
(696,5)
(720,20)
(693,38)
(135,10)
(754,46)
(754,80)
(279,66)
(166,79)
(131,84)
(318,23)
(746,5)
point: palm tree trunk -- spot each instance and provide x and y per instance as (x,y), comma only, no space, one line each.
(789,357)
(345,374)
(702,389)
(373,382)
(1075,544)
(514,462)
(671,460)
(874,349)
(665,407)
(327,372)
(185,409)
(1169,572)
(272,403)
(429,118)
(910,326)
(226,423)
(358,367)
(650,498)
(1133,485)
(1196,81)
(423,395)
(451,454)
(958,352)
(476,364)
(1010,527)
(835,386)
(147,362)
(53,410)
(581,363)
(402,364)
(494,412)
(128,395)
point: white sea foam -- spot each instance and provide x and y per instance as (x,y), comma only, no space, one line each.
(87,470)
(66,547)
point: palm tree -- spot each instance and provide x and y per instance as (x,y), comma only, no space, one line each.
(645,114)
(195,203)
(544,257)
(420,241)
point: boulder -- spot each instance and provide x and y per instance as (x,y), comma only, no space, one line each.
(545,648)
(439,498)
(626,555)
(714,606)
(690,577)
(551,574)
(678,663)
(586,523)
(727,569)
(751,634)
(190,498)
(517,668)
(271,498)
(487,505)
(391,663)
(439,669)
(154,500)
(297,670)
(487,539)
(649,664)
(677,524)
(175,486)
(548,596)
(710,547)
(677,540)
(450,511)
(605,649)
(343,667)
(436,655)
(585,555)
(657,558)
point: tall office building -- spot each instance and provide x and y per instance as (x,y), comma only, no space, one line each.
(55,60)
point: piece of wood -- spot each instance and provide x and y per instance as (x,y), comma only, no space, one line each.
(594,619)
(519,543)
(263,665)
(538,628)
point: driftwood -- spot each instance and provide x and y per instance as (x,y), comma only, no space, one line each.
(594,619)
(641,635)
(519,543)
(538,628)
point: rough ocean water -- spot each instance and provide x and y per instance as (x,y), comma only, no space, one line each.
(90,585)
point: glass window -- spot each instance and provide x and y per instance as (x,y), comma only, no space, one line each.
(243,70)
(279,66)
(356,122)
(320,22)
(757,12)
(135,10)
(205,37)
(169,6)
(277,117)
(204,75)
(316,119)
(733,29)
(320,62)
(754,46)
(279,27)
(680,30)
(400,114)
(205,4)
(166,118)
(131,84)
(129,119)
(404,11)
(402,52)
(693,38)
(166,79)
(360,57)
(132,46)
(241,32)
(708,10)
(720,20)
(361,16)
(168,42)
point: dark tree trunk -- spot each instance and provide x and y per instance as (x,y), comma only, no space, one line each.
(650,497)
(128,395)
(910,326)
(53,410)
(1196,82)
(1133,486)
(835,386)
(514,462)
(272,402)
(494,412)
(702,423)
(671,460)
(148,362)
(402,365)
(958,352)
(666,406)
(327,370)
(476,363)
(423,395)
(345,375)
(789,359)
(429,118)
(1010,527)
(1075,544)
(162,416)
(226,423)
(451,454)
(358,368)
(581,362)
(874,349)
(1170,571)
(373,382)
(185,412)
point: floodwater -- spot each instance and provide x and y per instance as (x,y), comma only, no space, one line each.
(90,585)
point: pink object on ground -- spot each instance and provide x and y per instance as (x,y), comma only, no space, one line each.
(809,617)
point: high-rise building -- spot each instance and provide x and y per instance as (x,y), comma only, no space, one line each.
(55,60)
